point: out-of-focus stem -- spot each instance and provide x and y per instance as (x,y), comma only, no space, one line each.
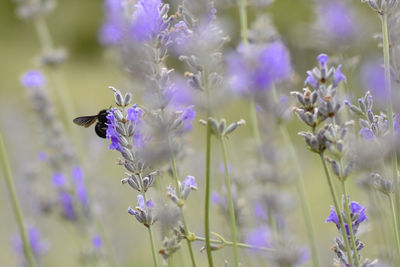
(386,58)
(232,215)
(15,203)
(237,244)
(395,225)
(303,200)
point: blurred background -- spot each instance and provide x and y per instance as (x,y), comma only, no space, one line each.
(88,71)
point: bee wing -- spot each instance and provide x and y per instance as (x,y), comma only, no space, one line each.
(85,121)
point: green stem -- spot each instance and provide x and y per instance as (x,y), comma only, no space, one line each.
(207,200)
(237,244)
(349,223)
(243,20)
(230,200)
(337,210)
(301,191)
(395,224)
(178,191)
(153,247)
(386,57)
(15,203)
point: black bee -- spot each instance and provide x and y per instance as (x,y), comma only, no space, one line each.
(101,126)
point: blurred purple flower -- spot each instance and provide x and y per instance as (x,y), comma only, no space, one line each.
(333,217)
(97,242)
(111,32)
(259,237)
(336,19)
(187,117)
(67,205)
(146,21)
(80,187)
(373,79)
(38,246)
(255,68)
(59,180)
(33,79)
(367,134)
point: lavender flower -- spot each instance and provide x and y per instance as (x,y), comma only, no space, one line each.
(143,212)
(259,237)
(112,31)
(33,79)
(255,68)
(80,188)
(146,23)
(357,216)
(39,247)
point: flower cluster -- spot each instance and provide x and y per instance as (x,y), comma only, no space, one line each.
(357,216)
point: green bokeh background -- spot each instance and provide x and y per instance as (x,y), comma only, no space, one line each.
(87,74)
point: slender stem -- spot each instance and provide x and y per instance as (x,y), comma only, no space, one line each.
(178,191)
(153,247)
(395,224)
(231,244)
(336,205)
(15,203)
(230,200)
(207,200)
(350,224)
(386,57)
(302,195)
(254,126)
(243,20)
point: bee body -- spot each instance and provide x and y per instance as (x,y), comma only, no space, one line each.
(101,125)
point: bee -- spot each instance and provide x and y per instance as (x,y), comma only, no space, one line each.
(101,126)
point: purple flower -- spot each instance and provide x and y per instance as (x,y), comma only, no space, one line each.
(333,217)
(339,76)
(67,205)
(322,58)
(259,212)
(146,21)
(215,198)
(311,80)
(367,133)
(141,202)
(111,33)
(42,156)
(259,237)
(373,79)
(97,242)
(38,246)
(59,180)
(357,215)
(190,182)
(396,122)
(111,132)
(187,117)
(256,68)
(357,209)
(33,79)
(336,19)
(80,188)
(135,114)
